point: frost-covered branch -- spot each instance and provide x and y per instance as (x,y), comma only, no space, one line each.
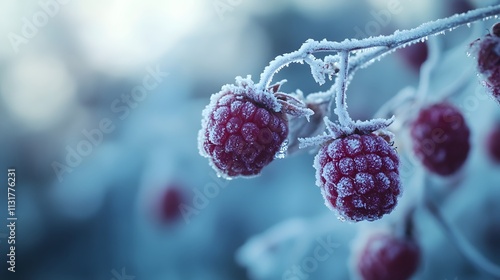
(340,97)
(382,44)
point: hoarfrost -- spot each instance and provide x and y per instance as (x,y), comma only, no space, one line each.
(282,150)
(353,146)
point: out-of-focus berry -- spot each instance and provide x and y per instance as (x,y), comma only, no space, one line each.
(169,203)
(441,138)
(387,257)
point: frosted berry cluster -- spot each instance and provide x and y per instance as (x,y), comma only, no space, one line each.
(487,51)
(239,135)
(358,176)
(356,165)
(441,138)
(385,256)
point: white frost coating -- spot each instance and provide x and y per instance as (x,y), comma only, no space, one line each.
(320,69)
(334,131)
(313,141)
(385,182)
(358,202)
(328,204)
(364,182)
(389,163)
(374,124)
(353,146)
(361,163)
(375,162)
(282,151)
(364,52)
(340,97)
(246,87)
(346,166)
(345,187)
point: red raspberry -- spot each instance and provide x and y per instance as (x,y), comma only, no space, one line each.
(239,135)
(387,257)
(493,143)
(358,176)
(441,138)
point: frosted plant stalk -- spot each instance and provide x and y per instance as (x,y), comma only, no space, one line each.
(380,44)
(340,100)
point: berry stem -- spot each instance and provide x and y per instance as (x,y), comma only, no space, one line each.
(382,44)
(434,46)
(340,94)
(462,244)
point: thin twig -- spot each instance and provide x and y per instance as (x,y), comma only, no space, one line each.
(434,51)
(469,252)
(340,97)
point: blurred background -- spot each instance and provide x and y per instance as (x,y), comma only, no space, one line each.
(100,106)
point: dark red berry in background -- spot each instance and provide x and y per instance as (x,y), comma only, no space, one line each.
(388,257)
(459,6)
(171,199)
(358,176)
(239,135)
(441,138)
(493,143)
(414,56)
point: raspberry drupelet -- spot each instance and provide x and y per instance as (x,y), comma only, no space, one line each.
(441,138)
(358,176)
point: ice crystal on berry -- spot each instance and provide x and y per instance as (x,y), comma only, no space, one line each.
(441,138)
(358,176)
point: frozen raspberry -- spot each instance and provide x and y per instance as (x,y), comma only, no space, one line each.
(441,138)
(493,143)
(388,257)
(240,135)
(487,51)
(358,176)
